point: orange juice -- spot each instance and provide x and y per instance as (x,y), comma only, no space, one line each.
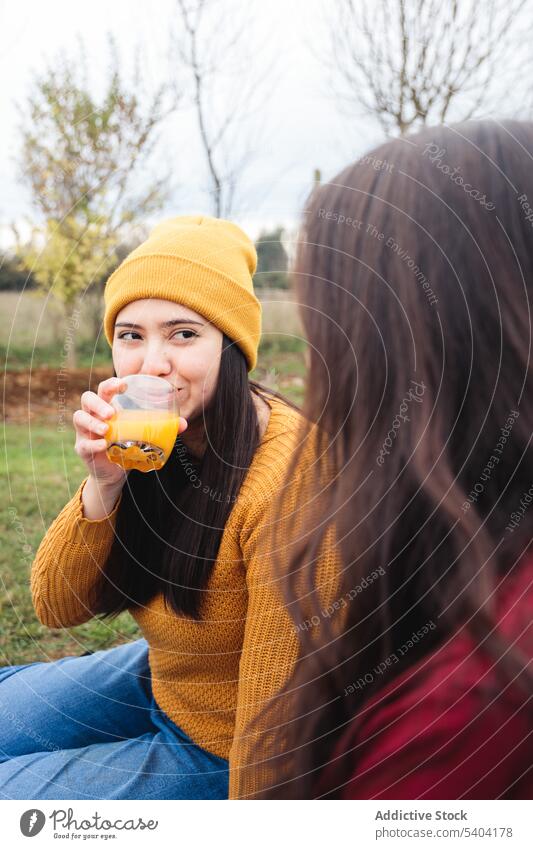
(142,439)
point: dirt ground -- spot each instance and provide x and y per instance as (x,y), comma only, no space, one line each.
(50,395)
(47,395)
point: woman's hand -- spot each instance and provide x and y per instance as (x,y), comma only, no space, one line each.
(106,479)
(91,425)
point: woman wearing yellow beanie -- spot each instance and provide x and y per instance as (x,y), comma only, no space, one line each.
(164,717)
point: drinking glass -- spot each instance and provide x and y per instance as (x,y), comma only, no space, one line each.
(143,431)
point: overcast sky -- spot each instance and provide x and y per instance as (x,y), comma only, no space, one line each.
(304,128)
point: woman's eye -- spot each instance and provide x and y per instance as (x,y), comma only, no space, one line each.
(185,335)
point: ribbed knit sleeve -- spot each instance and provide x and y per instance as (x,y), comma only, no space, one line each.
(270,649)
(271,644)
(68,562)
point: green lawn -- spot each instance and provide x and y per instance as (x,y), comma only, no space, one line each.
(39,473)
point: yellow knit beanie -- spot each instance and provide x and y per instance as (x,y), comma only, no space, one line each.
(205,264)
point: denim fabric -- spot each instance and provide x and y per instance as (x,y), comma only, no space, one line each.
(90,728)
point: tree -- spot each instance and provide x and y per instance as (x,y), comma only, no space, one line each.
(414,62)
(12,277)
(216,57)
(272,261)
(85,162)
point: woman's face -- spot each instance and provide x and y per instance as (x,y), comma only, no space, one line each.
(165,339)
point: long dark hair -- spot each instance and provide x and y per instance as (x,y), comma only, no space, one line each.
(414,274)
(170,522)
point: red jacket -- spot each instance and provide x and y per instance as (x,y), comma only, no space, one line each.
(447,728)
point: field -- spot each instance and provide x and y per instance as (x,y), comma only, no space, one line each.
(39,470)
(33,331)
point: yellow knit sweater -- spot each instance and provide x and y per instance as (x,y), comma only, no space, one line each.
(211,677)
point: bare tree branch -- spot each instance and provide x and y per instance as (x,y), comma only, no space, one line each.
(413,62)
(212,49)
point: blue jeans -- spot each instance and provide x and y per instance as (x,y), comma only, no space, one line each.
(90,728)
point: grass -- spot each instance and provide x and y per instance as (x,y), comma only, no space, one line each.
(33,331)
(20,358)
(30,320)
(39,473)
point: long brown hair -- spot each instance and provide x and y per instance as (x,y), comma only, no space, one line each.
(414,271)
(170,522)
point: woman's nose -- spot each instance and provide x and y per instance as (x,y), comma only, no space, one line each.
(156,364)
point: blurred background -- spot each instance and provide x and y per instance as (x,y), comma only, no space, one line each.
(117,115)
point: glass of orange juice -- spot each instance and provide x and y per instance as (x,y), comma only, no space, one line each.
(143,431)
